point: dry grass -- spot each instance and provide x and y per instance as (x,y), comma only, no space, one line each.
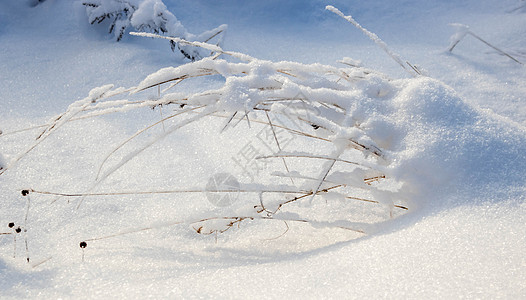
(316,101)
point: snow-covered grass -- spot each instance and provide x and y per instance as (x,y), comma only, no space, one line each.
(451,147)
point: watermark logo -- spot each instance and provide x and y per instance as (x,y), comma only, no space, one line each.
(218,187)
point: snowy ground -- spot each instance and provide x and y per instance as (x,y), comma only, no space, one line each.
(467,239)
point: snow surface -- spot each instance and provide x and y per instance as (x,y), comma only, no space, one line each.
(457,137)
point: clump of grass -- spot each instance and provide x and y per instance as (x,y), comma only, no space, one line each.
(354,167)
(320,105)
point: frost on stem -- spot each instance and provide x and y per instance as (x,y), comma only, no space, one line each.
(148,16)
(396,57)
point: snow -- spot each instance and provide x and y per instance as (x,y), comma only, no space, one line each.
(447,221)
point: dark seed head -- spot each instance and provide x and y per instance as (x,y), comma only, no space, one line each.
(83,245)
(11,225)
(25,192)
(18,230)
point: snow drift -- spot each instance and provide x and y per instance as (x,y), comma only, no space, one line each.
(427,201)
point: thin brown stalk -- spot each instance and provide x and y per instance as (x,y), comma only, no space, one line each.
(306,195)
(373,179)
(286,73)
(495,48)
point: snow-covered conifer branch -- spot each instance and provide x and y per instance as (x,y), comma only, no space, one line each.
(149,16)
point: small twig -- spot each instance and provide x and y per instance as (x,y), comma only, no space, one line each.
(372,179)
(497,49)
(306,195)
(263,208)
